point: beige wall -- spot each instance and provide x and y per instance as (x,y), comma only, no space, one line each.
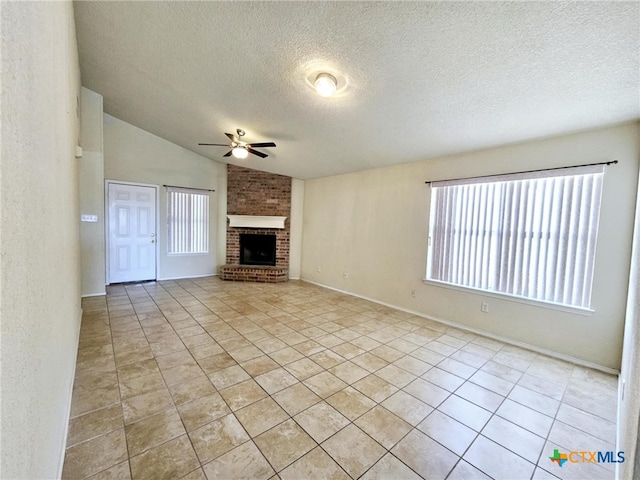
(91,173)
(221,245)
(373,226)
(134,155)
(295,239)
(39,242)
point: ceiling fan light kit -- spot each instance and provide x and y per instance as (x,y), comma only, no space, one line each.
(240,152)
(240,149)
(326,84)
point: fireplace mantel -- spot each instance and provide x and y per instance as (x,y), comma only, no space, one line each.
(256,221)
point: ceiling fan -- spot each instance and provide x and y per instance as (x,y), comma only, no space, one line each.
(240,149)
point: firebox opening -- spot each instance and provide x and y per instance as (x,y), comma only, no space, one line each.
(257,249)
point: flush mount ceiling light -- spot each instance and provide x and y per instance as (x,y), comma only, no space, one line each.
(326,84)
(240,152)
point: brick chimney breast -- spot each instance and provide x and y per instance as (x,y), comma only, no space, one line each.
(252,192)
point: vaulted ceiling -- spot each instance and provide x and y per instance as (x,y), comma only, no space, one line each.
(415,79)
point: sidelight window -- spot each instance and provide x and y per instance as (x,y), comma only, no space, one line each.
(187,221)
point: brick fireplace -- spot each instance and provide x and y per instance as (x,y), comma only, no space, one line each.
(256,193)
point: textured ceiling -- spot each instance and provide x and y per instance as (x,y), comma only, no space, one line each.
(416,79)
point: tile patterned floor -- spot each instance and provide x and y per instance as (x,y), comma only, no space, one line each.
(202,378)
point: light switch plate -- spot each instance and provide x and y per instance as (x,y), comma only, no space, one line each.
(89,218)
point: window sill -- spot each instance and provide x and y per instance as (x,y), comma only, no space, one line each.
(513,298)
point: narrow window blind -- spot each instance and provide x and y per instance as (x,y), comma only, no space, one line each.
(529,235)
(187,221)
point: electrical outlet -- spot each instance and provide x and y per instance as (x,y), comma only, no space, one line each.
(319,268)
(484,307)
(413,293)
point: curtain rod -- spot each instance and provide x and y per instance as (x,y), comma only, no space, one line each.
(613,162)
(190,188)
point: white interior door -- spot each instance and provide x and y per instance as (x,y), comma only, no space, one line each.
(132,233)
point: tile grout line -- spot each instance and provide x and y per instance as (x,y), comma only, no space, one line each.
(184,426)
(251,438)
(163,380)
(193,291)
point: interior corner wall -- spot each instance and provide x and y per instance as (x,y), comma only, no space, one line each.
(91,176)
(39,243)
(137,156)
(373,226)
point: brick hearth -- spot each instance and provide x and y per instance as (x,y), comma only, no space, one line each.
(254,273)
(251,192)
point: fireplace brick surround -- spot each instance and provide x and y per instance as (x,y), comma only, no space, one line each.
(252,192)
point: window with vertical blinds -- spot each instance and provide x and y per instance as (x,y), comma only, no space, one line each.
(528,235)
(187,221)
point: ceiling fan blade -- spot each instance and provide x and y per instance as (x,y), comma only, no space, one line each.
(255,152)
(228,154)
(215,144)
(264,144)
(231,137)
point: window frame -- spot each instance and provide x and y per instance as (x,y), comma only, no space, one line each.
(207,228)
(569,171)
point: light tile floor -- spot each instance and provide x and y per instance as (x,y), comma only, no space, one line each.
(202,378)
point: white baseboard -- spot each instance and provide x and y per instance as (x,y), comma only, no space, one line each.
(509,341)
(186,278)
(93,295)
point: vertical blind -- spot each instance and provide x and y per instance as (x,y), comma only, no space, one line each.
(530,235)
(187,221)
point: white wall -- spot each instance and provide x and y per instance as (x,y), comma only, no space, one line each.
(373,226)
(629,384)
(39,243)
(91,173)
(134,155)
